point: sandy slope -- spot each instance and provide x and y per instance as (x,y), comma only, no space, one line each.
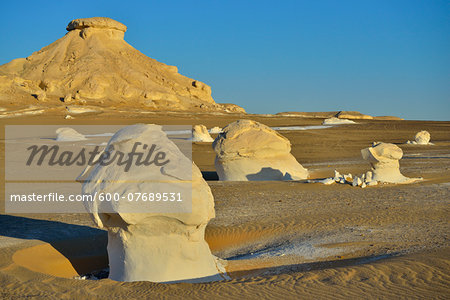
(282,239)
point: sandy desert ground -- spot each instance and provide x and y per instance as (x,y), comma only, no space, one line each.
(284,240)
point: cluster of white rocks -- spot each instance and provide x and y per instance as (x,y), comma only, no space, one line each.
(362,181)
(170,246)
(384,159)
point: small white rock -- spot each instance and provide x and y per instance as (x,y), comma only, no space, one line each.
(368,176)
(357,181)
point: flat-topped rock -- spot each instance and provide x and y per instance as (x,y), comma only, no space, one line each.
(96,22)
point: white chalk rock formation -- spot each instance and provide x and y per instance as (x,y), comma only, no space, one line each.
(249,151)
(215,130)
(67,134)
(384,159)
(200,134)
(422,137)
(147,245)
(337,121)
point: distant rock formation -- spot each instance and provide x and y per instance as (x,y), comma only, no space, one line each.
(352,115)
(313,115)
(249,151)
(145,243)
(200,134)
(422,137)
(67,134)
(355,115)
(215,130)
(337,121)
(93,65)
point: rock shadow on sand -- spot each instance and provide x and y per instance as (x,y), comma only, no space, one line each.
(83,246)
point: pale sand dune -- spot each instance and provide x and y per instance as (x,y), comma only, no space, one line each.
(294,240)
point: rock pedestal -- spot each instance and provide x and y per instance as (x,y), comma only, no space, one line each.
(143,243)
(384,159)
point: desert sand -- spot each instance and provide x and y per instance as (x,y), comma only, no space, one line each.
(285,240)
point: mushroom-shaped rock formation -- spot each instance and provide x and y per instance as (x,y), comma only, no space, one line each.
(248,151)
(384,159)
(94,64)
(67,134)
(147,242)
(200,134)
(422,137)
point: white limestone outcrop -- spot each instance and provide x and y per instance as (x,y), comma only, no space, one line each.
(147,243)
(250,151)
(337,121)
(200,134)
(67,134)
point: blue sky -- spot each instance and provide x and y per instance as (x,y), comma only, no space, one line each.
(379,57)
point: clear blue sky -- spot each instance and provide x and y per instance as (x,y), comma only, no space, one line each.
(380,57)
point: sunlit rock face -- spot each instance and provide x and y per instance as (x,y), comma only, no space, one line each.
(92,64)
(200,134)
(422,137)
(248,151)
(66,134)
(143,244)
(384,159)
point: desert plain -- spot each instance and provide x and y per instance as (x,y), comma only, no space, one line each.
(283,240)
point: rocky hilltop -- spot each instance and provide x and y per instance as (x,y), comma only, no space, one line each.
(93,65)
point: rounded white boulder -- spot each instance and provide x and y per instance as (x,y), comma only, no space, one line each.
(249,151)
(422,137)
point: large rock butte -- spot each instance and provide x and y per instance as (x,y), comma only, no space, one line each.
(93,65)
(144,245)
(248,151)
